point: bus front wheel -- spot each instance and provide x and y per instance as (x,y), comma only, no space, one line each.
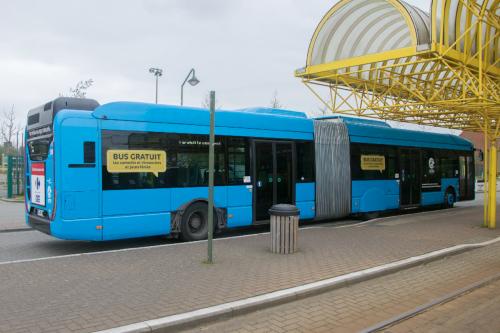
(194,224)
(449,198)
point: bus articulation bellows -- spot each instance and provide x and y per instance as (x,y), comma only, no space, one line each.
(126,170)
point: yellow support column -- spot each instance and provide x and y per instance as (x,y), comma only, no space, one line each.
(492,186)
(485,179)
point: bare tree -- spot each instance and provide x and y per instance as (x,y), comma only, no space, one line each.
(8,126)
(275,103)
(80,89)
(206,102)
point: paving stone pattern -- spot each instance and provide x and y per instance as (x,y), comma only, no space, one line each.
(94,292)
(365,304)
(478,311)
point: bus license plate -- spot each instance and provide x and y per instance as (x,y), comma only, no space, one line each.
(39,212)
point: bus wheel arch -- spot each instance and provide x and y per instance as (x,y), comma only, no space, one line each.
(192,213)
(450,197)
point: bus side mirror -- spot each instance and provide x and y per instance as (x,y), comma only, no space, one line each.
(481,156)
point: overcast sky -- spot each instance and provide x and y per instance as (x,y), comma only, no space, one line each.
(245,50)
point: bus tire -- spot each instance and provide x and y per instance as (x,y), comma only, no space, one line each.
(449,198)
(194,225)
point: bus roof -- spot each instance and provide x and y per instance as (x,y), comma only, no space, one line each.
(39,122)
(254,118)
(360,130)
(354,120)
(364,133)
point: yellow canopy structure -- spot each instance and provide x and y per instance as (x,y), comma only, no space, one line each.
(390,60)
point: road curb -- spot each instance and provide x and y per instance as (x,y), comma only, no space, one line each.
(226,310)
(3,231)
(11,200)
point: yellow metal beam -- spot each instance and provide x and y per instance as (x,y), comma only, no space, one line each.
(454,82)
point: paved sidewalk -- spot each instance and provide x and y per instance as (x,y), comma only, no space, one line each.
(363,305)
(12,216)
(478,311)
(105,290)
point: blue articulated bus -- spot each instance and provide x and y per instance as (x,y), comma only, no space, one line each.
(125,170)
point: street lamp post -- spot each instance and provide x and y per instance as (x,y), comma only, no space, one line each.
(157,72)
(211,159)
(192,80)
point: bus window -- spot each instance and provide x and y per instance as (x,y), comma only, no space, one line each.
(386,156)
(238,159)
(431,169)
(192,161)
(449,165)
(305,161)
(187,160)
(39,149)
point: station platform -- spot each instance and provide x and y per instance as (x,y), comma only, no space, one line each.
(109,289)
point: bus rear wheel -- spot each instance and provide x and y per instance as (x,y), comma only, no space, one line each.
(194,224)
(449,198)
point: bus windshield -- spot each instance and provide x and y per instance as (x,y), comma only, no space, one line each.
(39,149)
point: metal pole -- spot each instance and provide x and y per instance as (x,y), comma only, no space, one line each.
(492,186)
(9,177)
(156,95)
(17,163)
(191,73)
(211,178)
(182,94)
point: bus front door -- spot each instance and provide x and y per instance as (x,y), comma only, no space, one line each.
(410,181)
(273,175)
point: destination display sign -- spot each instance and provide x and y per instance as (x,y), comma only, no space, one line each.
(41,131)
(154,161)
(372,162)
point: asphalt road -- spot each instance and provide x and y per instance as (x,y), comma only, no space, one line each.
(30,244)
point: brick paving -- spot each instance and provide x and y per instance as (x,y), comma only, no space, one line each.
(478,311)
(94,292)
(365,304)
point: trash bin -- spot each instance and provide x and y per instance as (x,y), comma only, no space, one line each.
(284,228)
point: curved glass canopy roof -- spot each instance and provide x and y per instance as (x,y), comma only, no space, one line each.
(360,27)
(390,60)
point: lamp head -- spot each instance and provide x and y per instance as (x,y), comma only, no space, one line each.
(156,71)
(193,80)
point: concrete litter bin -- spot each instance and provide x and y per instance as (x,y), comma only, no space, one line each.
(284,228)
